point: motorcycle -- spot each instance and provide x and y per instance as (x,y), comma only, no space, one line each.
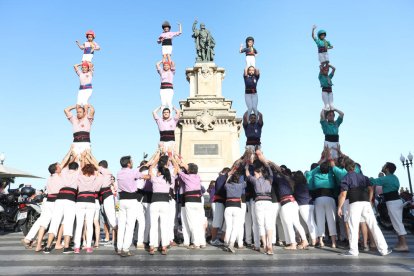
(9,209)
(408,212)
(29,209)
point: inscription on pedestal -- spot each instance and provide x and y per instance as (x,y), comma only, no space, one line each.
(205,149)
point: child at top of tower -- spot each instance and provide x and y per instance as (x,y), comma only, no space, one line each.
(89,47)
(250,51)
(165,39)
(323,45)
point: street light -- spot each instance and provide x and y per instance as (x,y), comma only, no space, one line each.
(408,162)
(2,158)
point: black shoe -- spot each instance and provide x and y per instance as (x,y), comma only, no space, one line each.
(68,250)
(47,250)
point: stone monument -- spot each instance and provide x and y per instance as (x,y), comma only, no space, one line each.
(208,131)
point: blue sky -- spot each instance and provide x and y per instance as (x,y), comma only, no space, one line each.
(373,54)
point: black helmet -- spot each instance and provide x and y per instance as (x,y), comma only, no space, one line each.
(27,191)
(166,24)
(249,38)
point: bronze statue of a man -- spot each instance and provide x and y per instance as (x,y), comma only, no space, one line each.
(204,43)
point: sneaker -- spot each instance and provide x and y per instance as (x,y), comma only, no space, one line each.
(140,246)
(68,250)
(47,250)
(216,242)
(366,249)
(108,244)
(231,249)
(76,250)
(386,253)
(126,254)
(103,241)
(89,250)
(348,254)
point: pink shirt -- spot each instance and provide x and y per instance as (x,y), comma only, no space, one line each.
(83,124)
(91,183)
(169,124)
(126,180)
(84,78)
(166,76)
(160,185)
(192,182)
(106,175)
(87,44)
(69,178)
(54,184)
(168,35)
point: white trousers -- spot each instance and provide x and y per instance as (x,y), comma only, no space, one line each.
(248,223)
(159,211)
(147,214)
(128,211)
(97,210)
(325,210)
(109,209)
(166,98)
(167,146)
(333,148)
(87,57)
(308,215)
(256,230)
(327,99)
(264,216)
(275,213)
(250,61)
(395,210)
(83,96)
(195,221)
(79,147)
(43,220)
(172,210)
(64,213)
(141,223)
(185,226)
(166,49)
(85,211)
(289,214)
(363,209)
(323,57)
(251,103)
(241,225)
(218,215)
(232,215)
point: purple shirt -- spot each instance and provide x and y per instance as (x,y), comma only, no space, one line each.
(192,182)
(169,124)
(166,76)
(160,185)
(126,180)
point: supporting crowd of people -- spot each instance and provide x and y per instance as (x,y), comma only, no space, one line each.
(256,203)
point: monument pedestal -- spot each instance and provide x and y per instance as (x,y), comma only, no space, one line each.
(208,132)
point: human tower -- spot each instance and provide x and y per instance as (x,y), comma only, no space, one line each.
(249,200)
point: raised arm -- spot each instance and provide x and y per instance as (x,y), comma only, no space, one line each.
(180,29)
(245,72)
(68,110)
(333,69)
(256,71)
(245,119)
(177,113)
(81,46)
(157,65)
(313,31)
(90,111)
(154,112)
(260,119)
(323,115)
(241,48)
(76,67)
(246,168)
(341,114)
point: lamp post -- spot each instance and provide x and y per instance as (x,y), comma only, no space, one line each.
(408,162)
(2,158)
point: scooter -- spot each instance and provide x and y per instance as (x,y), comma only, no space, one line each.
(29,209)
(9,209)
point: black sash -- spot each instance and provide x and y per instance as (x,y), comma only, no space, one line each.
(126,195)
(81,136)
(104,193)
(253,141)
(88,197)
(332,138)
(233,202)
(327,89)
(167,135)
(160,197)
(192,196)
(358,194)
(51,197)
(391,196)
(322,49)
(166,85)
(323,192)
(67,193)
(167,42)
